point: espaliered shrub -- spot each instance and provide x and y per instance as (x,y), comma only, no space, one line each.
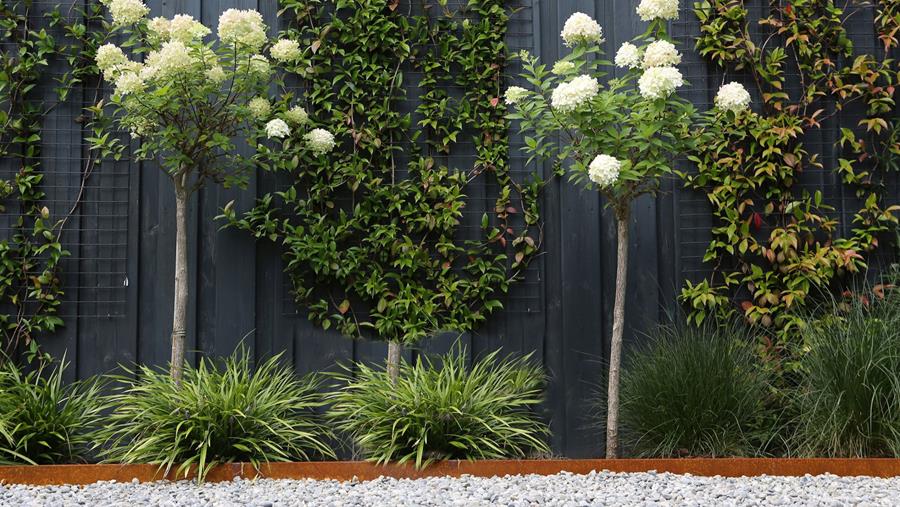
(219,414)
(443,410)
(45,420)
(848,400)
(697,392)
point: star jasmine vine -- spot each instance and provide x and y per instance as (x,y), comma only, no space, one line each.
(186,103)
(618,139)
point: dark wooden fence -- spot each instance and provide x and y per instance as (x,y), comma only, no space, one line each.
(119,279)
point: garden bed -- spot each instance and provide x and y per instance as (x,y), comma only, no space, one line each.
(350,470)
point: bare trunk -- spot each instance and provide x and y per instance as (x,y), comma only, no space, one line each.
(179,315)
(393,361)
(615,353)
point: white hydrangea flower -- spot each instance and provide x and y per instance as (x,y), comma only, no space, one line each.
(127,12)
(514,94)
(242,27)
(277,128)
(159,27)
(733,97)
(285,50)
(129,82)
(628,56)
(296,115)
(568,96)
(659,82)
(661,53)
(259,65)
(140,126)
(563,67)
(649,10)
(216,74)
(604,170)
(259,107)
(109,58)
(581,29)
(320,141)
(186,29)
(172,59)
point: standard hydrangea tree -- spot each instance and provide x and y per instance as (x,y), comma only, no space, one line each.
(619,137)
(189,101)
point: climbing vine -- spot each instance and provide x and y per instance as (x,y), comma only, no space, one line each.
(30,256)
(375,241)
(776,244)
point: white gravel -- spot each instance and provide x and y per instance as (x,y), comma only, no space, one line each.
(596,488)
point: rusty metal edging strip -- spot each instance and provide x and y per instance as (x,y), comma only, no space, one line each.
(347,470)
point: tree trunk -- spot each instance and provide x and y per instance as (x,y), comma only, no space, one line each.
(179,314)
(393,361)
(615,352)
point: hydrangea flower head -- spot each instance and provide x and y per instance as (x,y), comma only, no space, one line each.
(563,67)
(285,50)
(259,107)
(628,56)
(733,97)
(109,59)
(568,96)
(186,29)
(244,28)
(604,170)
(127,12)
(296,115)
(659,82)
(649,10)
(320,141)
(661,53)
(514,94)
(277,129)
(581,29)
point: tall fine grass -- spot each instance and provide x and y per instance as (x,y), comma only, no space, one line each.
(696,392)
(444,410)
(219,414)
(848,399)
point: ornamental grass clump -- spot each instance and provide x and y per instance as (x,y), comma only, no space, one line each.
(618,136)
(697,392)
(443,409)
(193,103)
(219,414)
(847,403)
(45,420)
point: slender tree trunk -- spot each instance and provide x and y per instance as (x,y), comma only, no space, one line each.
(615,353)
(179,315)
(393,361)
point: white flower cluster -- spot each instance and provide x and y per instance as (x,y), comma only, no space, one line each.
(259,66)
(277,128)
(296,115)
(659,82)
(158,27)
(171,60)
(563,67)
(129,82)
(660,53)
(581,29)
(259,107)
(216,74)
(628,56)
(186,29)
(733,97)
(285,50)
(515,94)
(243,28)
(320,141)
(568,96)
(649,10)
(110,60)
(604,170)
(126,12)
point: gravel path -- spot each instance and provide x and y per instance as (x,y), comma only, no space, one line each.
(602,488)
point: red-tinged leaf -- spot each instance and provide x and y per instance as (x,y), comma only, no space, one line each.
(314,47)
(519,257)
(746,305)
(495,101)
(510,209)
(345,305)
(503,241)
(393,5)
(757,220)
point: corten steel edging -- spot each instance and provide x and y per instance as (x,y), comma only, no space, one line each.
(348,470)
